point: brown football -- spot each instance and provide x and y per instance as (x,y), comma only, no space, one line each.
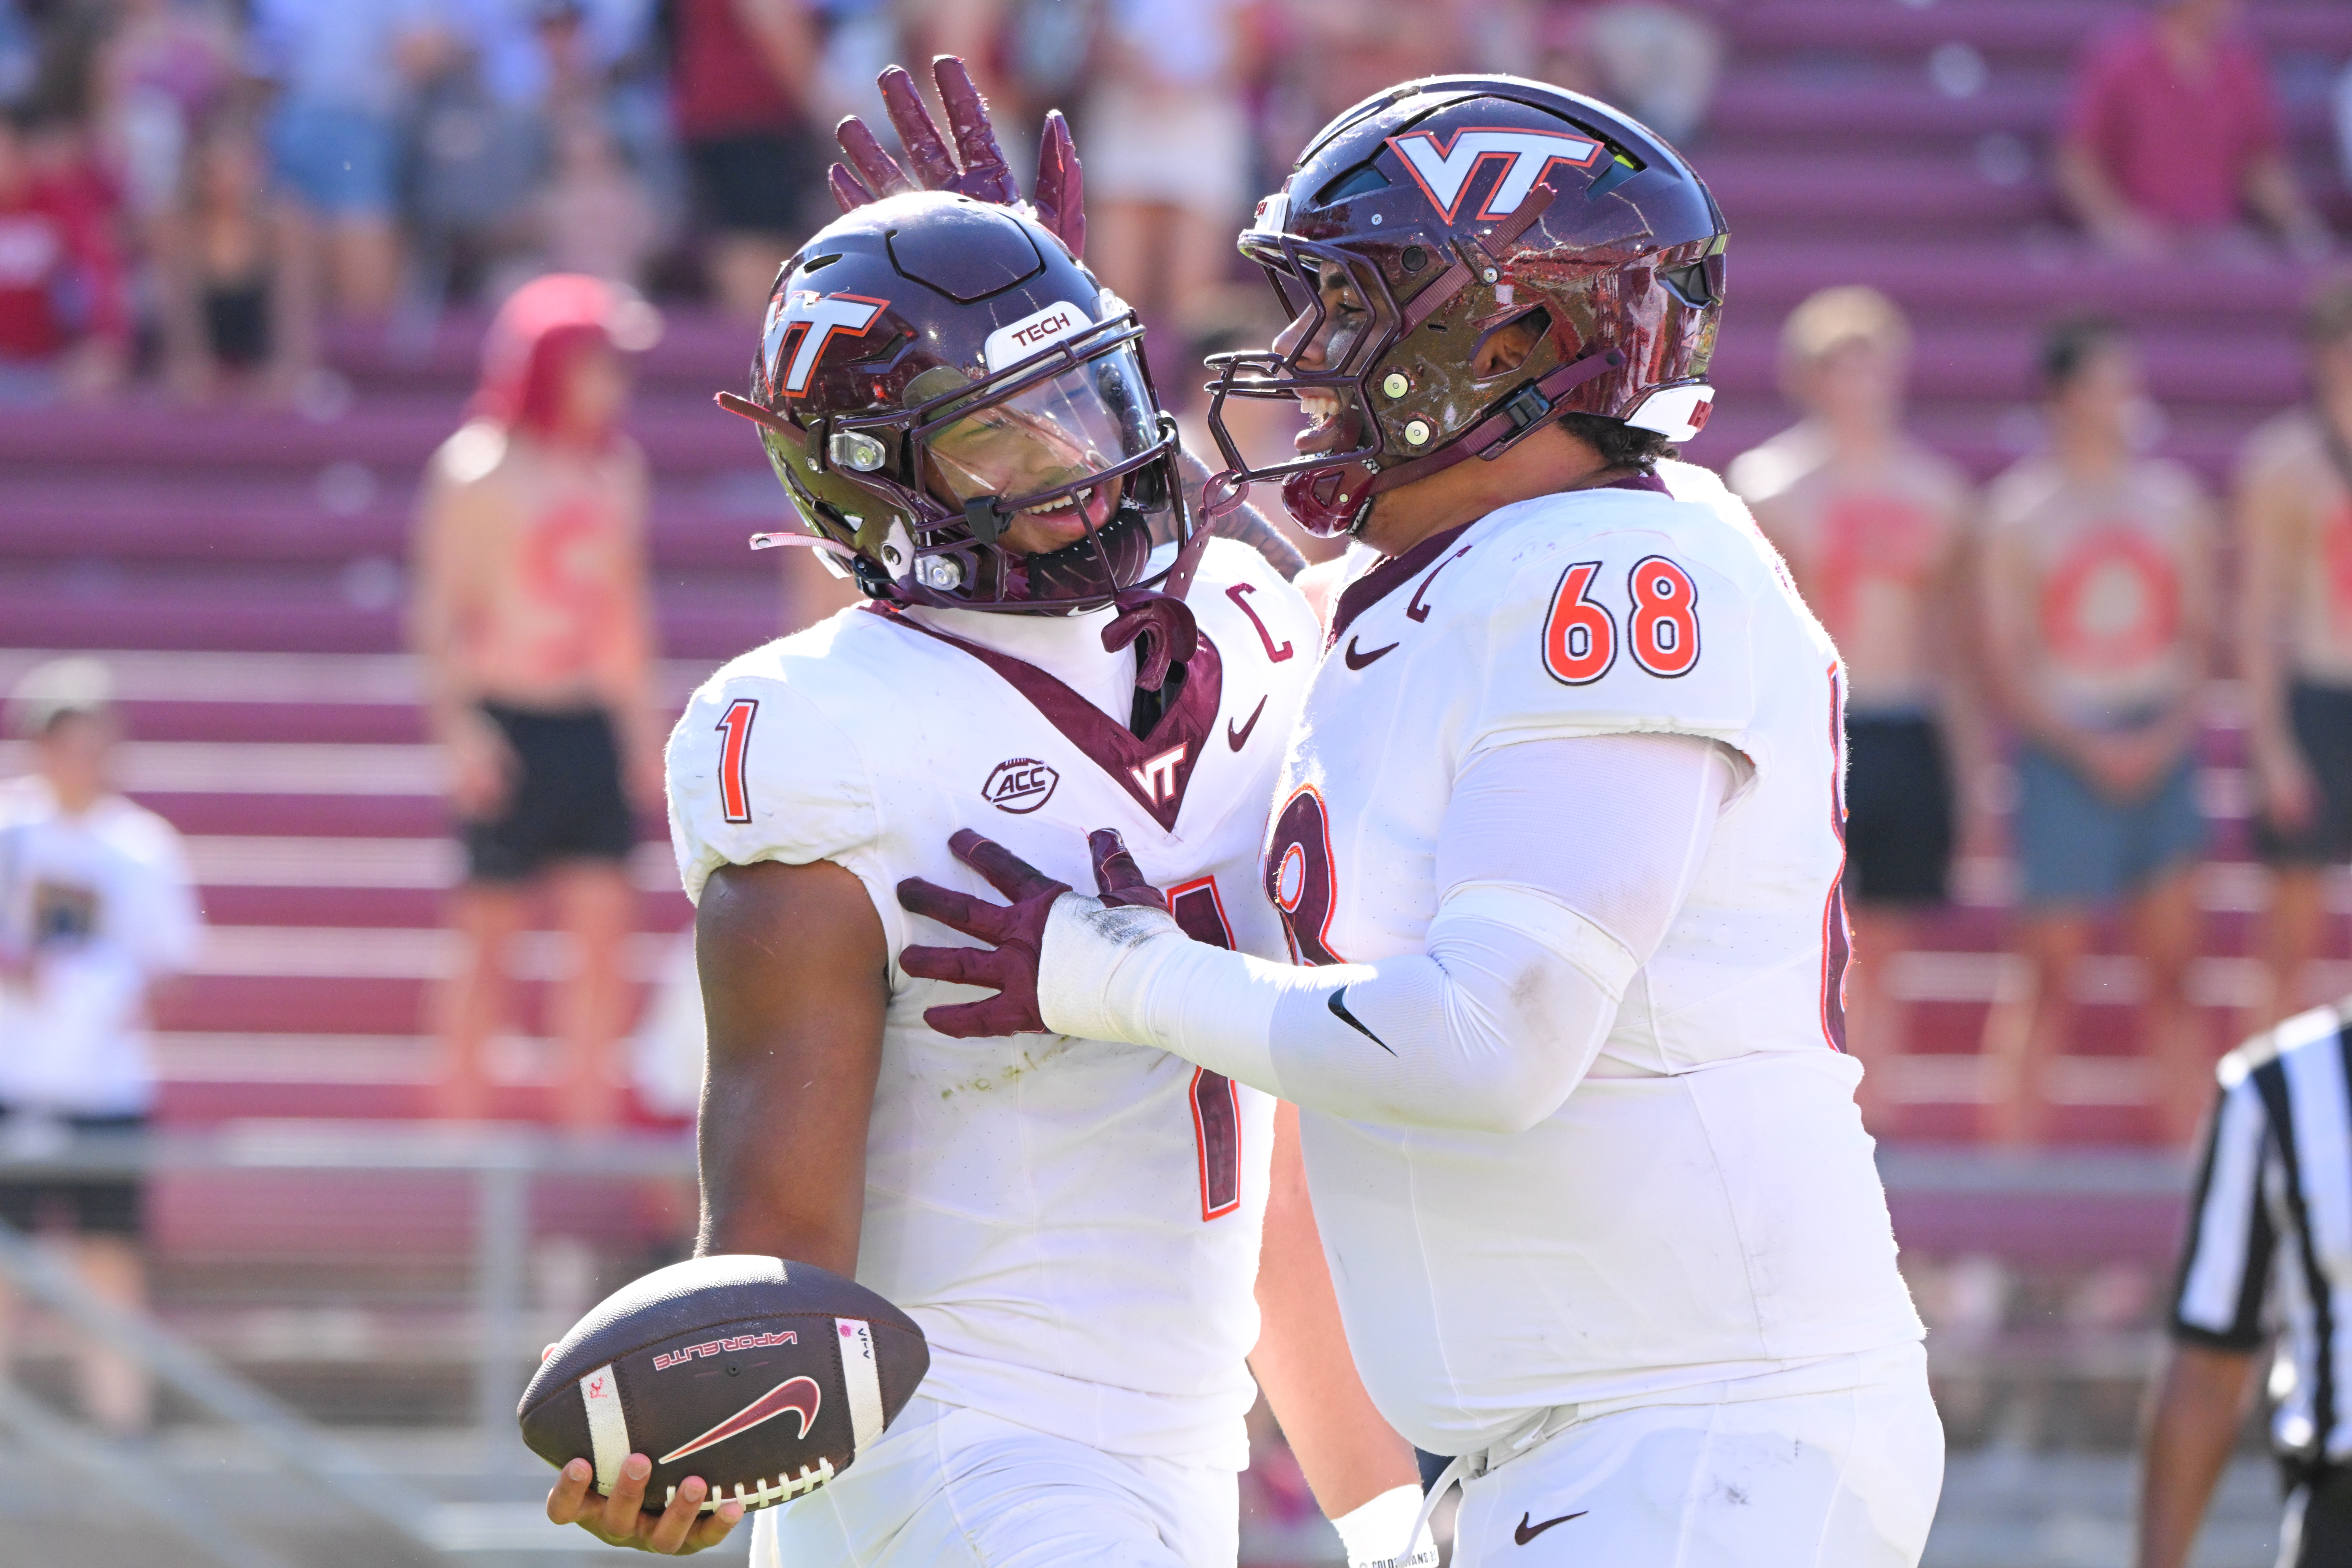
(765,1378)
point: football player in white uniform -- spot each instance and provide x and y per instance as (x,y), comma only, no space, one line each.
(1559,836)
(961,415)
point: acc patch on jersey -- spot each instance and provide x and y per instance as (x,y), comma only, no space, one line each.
(1020,785)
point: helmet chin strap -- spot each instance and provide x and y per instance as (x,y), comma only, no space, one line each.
(1520,415)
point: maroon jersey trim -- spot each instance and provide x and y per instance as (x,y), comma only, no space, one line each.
(1386,578)
(1393,572)
(1155,769)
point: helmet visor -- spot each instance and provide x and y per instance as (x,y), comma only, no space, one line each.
(1042,446)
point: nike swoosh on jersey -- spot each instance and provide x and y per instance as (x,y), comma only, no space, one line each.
(801,1395)
(1239,738)
(1339,1005)
(1357,660)
(1523,1534)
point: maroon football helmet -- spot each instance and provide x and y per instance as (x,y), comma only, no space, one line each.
(1441,211)
(933,366)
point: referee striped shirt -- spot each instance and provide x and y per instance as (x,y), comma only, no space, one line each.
(2270,1236)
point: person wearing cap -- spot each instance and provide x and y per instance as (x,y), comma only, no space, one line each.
(531,615)
(95,908)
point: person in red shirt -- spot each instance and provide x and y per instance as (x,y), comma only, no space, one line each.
(1872,525)
(2173,133)
(534,623)
(740,76)
(2095,600)
(64,328)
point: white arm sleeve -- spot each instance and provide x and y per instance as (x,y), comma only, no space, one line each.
(1561,864)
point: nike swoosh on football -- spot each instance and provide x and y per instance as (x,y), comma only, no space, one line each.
(1523,1534)
(799,1396)
(1357,660)
(1239,738)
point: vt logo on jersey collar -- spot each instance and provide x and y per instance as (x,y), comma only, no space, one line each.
(1153,769)
(1443,172)
(803,322)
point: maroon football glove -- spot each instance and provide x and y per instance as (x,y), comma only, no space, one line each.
(1117,879)
(976,168)
(1017,930)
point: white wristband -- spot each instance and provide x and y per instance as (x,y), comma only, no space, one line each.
(1088,969)
(1371,1533)
(1132,974)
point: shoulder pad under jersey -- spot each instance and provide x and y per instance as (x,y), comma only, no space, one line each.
(1639,617)
(757,770)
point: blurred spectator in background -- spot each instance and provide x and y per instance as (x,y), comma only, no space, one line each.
(2294,630)
(20,54)
(1658,62)
(342,72)
(860,37)
(65,327)
(2344,123)
(63,41)
(741,75)
(532,621)
(1167,152)
(1325,58)
(1871,524)
(235,275)
(165,70)
(2097,584)
(475,139)
(2174,133)
(515,169)
(594,214)
(95,908)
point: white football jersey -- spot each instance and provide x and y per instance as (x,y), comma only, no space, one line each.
(1075,1224)
(1704,1206)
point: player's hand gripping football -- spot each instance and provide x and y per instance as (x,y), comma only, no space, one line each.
(1017,930)
(976,169)
(679,1531)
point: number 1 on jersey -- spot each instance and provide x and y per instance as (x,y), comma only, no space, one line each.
(734,787)
(1216,1108)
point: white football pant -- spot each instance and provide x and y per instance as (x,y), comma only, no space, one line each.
(1842,1478)
(952,1487)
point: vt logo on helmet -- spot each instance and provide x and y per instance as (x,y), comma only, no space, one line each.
(1527,156)
(1438,223)
(961,414)
(801,323)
